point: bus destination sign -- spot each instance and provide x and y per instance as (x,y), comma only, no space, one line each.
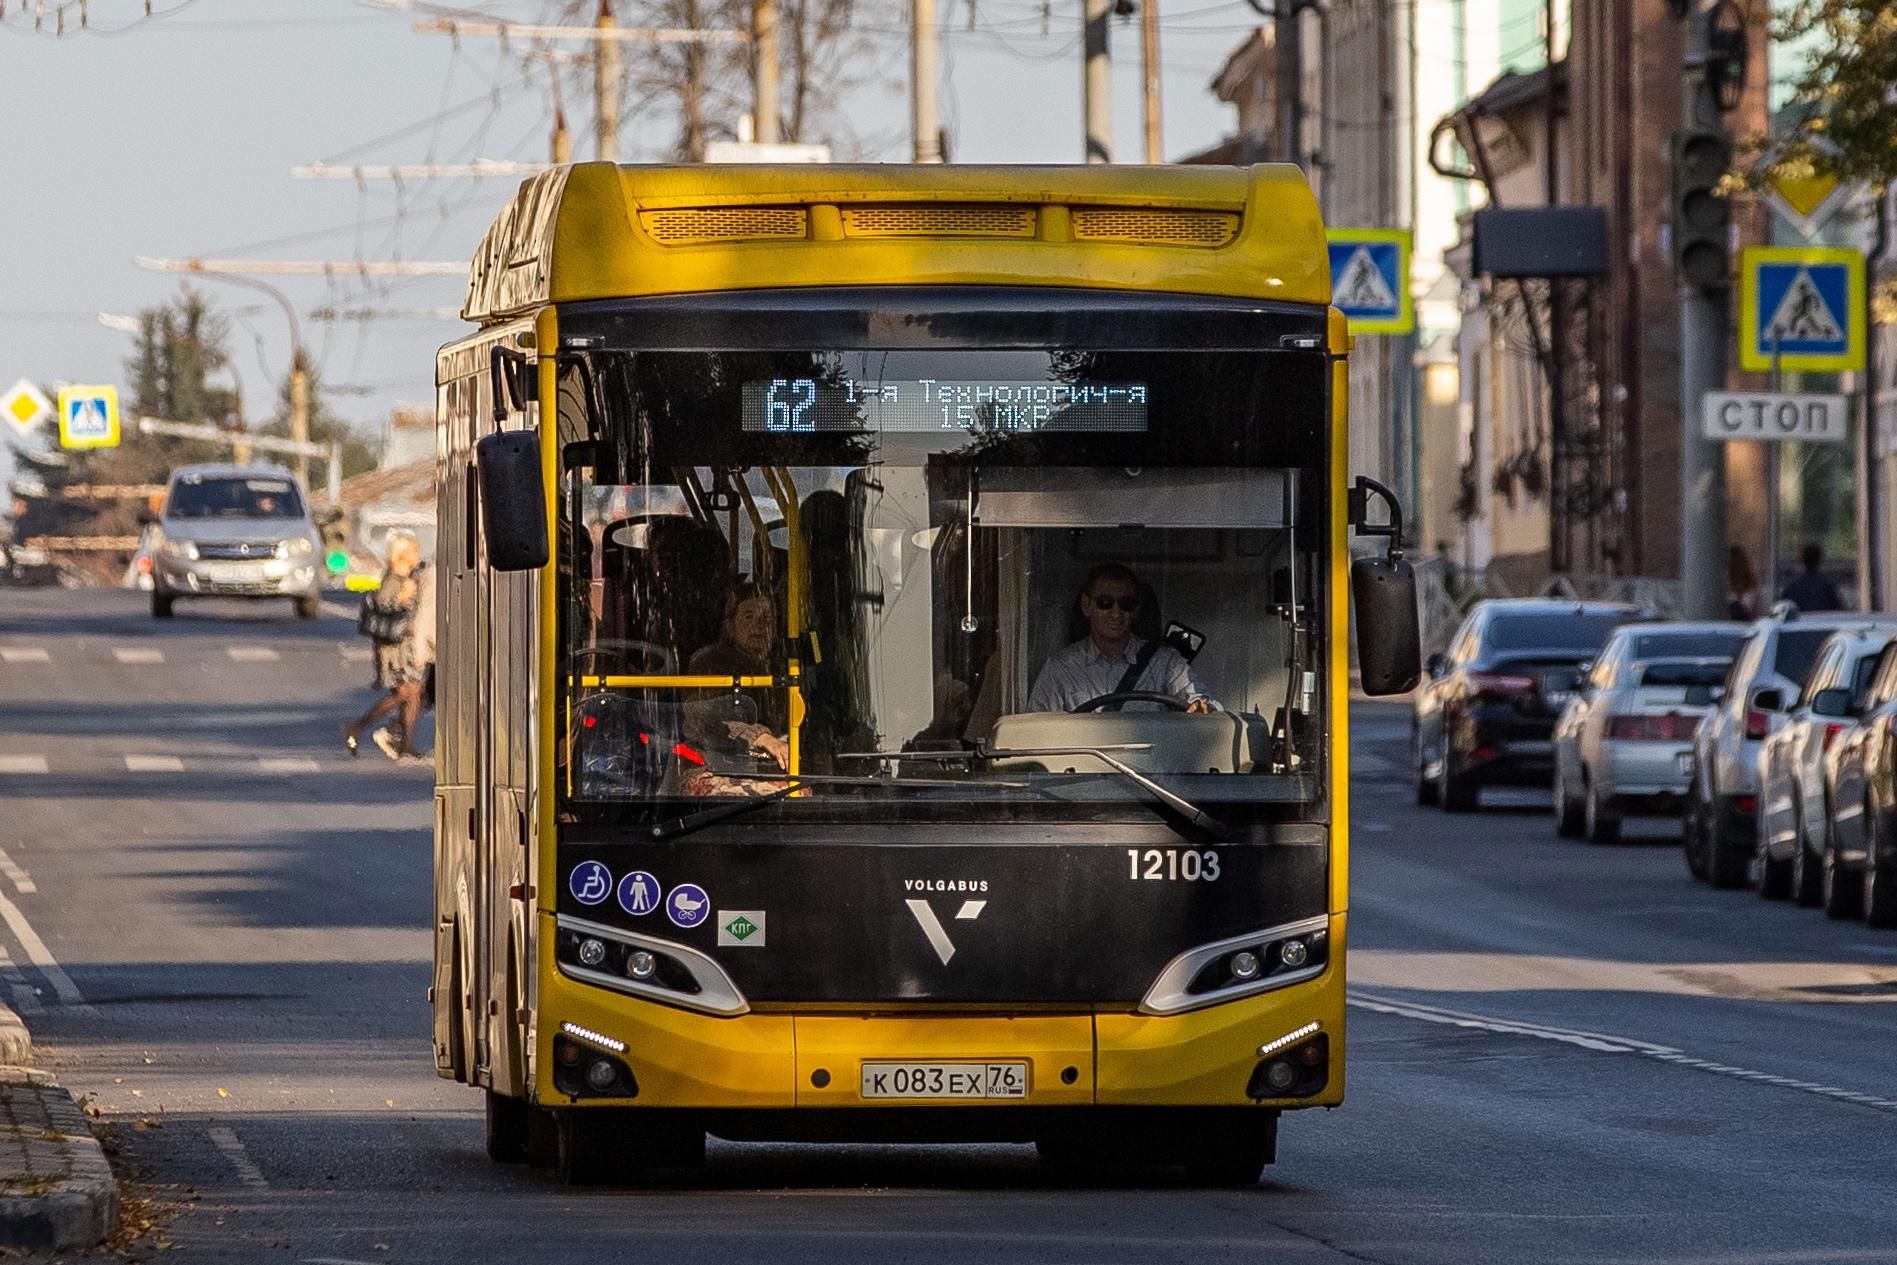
(794,406)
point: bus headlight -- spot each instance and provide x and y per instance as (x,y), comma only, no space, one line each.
(1293,953)
(641,965)
(591,952)
(1244,964)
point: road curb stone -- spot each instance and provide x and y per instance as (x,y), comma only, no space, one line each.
(56,1187)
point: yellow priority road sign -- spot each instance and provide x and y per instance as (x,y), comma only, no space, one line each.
(88,417)
(1804,306)
(1370,279)
(25,405)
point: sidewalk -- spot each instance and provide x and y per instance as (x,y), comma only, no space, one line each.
(56,1189)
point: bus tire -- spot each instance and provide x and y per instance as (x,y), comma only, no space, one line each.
(507,1119)
(1234,1154)
(543,1138)
(609,1146)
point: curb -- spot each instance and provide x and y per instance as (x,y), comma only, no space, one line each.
(16,1043)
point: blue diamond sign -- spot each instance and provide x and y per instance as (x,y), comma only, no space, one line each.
(1804,306)
(1370,271)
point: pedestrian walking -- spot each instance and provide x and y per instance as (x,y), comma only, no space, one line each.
(388,619)
(1814,591)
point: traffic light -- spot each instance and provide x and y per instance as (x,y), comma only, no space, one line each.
(1702,215)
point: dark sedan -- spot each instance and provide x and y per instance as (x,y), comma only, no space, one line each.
(1486,713)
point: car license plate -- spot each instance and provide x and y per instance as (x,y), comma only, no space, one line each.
(237,572)
(945,1080)
(1683,761)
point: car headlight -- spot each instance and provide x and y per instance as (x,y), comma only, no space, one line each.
(180,549)
(298,548)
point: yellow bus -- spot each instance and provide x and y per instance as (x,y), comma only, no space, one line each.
(892,663)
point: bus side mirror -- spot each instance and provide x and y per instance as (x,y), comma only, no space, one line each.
(1389,640)
(513,500)
(1389,630)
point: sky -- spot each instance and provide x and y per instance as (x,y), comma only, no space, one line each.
(174,136)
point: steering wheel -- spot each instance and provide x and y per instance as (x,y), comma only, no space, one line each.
(636,656)
(1130,696)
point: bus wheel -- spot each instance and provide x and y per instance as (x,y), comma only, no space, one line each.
(1234,1154)
(507,1128)
(609,1147)
(543,1138)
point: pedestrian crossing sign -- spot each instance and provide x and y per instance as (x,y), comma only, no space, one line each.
(1803,305)
(88,417)
(1370,270)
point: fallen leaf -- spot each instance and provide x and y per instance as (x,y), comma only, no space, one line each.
(138,1093)
(223,1093)
(389,1102)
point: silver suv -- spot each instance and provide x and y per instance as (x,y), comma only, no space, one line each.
(1720,832)
(236,531)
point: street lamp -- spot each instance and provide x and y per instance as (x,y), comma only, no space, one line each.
(1726,52)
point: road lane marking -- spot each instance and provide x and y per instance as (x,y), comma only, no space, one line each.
(226,1140)
(153,764)
(23,764)
(21,879)
(1602,1043)
(137,654)
(26,998)
(289,764)
(41,957)
(24,654)
(252,654)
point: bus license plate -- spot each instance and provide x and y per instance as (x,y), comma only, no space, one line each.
(945,1080)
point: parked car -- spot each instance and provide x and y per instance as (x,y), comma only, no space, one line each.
(1791,763)
(1860,840)
(1624,745)
(1719,832)
(236,531)
(1485,713)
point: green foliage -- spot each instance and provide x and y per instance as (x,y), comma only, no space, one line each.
(1843,91)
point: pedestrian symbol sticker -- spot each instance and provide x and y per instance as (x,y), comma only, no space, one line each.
(1803,307)
(88,417)
(638,893)
(591,883)
(1370,269)
(688,905)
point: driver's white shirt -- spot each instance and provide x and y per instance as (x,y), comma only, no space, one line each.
(1079,672)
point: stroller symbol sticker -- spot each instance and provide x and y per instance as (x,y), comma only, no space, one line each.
(688,905)
(591,883)
(638,893)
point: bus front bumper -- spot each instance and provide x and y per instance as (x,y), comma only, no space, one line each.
(780,1059)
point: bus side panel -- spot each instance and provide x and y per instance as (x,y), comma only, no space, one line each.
(1339,630)
(1207,1057)
(455,873)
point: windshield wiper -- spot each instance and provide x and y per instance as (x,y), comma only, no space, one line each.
(791,785)
(1172,799)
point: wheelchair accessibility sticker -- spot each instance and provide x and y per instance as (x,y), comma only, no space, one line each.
(591,883)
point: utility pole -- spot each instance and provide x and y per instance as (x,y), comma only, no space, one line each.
(606,87)
(764,49)
(1287,30)
(923,84)
(300,409)
(1097,81)
(1149,67)
(1702,152)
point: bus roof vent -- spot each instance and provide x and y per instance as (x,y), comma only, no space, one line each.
(1155,226)
(689,226)
(938,220)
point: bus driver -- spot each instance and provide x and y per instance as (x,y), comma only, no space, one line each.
(1110,659)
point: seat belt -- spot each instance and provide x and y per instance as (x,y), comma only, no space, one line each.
(1134,670)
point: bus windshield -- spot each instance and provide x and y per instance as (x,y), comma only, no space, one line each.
(944,575)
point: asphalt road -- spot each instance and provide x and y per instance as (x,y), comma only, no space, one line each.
(1557,1052)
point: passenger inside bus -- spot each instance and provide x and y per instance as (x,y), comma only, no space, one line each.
(1112,659)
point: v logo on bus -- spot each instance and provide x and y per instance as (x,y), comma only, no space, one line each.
(932,926)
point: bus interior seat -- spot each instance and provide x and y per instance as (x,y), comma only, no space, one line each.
(1177,742)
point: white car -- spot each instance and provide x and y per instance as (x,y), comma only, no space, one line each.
(1791,763)
(1624,744)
